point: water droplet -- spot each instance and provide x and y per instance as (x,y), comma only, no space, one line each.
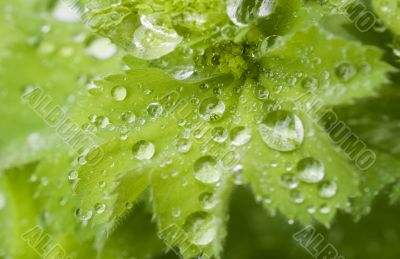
(143,150)
(240,136)
(155,110)
(289,181)
(325,209)
(296,196)
(63,13)
(82,215)
(242,12)
(282,130)
(311,210)
(118,93)
(128,117)
(99,208)
(176,213)
(101,49)
(219,134)
(151,41)
(309,83)
(396,45)
(327,189)
(201,228)
(208,200)
(206,170)
(261,92)
(73,175)
(183,145)
(310,170)
(212,109)
(345,71)
(2,201)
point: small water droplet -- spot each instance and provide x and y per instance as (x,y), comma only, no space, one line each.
(183,145)
(310,170)
(206,170)
(143,150)
(119,93)
(219,134)
(296,196)
(282,130)
(325,209)
(201,228)
(345,71)
(212,109)
(99,208)
(208,200)
(73,175)
(327,189)
(240,136)
(84,216)
(289,180)
(155,110)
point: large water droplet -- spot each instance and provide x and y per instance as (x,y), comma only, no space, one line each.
(212,109)
(201,228)
(242,12)
(151,41)
(282,130)
(143,150)
(206,170)
(310,170)
(240,136)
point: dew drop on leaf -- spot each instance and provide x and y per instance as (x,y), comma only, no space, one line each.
(240,136)
(261,92)
(143,150)
(212,109)
(208,200)
(242,12)
(2,201)
(83,215)
(206,170)
(101,49)
(201,228)
(282,130)
(155,110)
(183,145)
(345,71)
(325,209)
(151,41)
(296,196)
(327,189)
(289,180)
(219,134)
(73,175)
(310,170)
(99,208)
(119,93)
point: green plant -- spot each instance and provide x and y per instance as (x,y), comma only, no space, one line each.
(294,101)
